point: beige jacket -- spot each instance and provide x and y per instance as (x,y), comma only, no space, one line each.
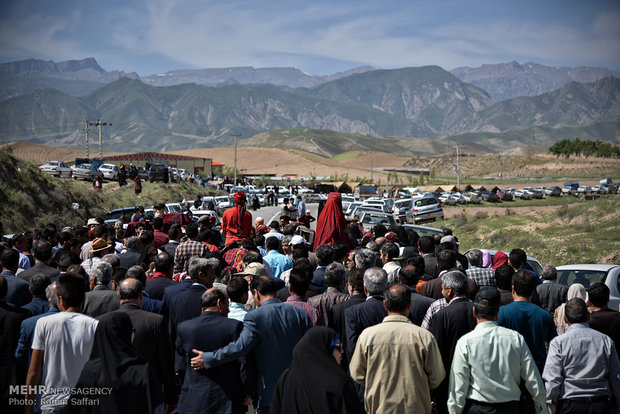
(398,363)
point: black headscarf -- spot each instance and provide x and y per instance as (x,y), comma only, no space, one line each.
(314,382)
(115,364)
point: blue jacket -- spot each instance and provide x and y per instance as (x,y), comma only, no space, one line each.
(272,331)
(26,336)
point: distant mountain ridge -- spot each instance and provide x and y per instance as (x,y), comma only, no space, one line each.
(411,102)
(511,80)
(84,70)
(282,77)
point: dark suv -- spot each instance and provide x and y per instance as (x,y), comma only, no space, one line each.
(158,172)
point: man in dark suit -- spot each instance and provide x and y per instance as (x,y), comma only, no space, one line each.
(409,275)
(271,332)
(26,334)
(219,389)
(602,318)
(174,235)
(131,256)
(151,337)
(101,299)
(173,290)
(550,294)
(357,296)
(325,255)
(42,251)
(426,246)
(187,304)
(39,303)
(446,260)
(370,312)
(10,323)
(17,289)
(449,324)
(162,278)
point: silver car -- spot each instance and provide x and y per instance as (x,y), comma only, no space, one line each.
(424,209)
(88,171)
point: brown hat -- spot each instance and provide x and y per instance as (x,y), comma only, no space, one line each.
(99,244)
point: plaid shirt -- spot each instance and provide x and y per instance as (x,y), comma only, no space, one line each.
(481,275)
(185,251)
(300,303)
(435,307)
(87,265)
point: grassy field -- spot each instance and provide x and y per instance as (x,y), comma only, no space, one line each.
(586,232)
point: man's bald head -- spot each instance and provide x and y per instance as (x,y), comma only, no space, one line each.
(130,290)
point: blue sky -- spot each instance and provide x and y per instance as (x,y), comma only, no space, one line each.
(319,37)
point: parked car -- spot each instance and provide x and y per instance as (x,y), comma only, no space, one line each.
(423,230)
(57,168)
(536,193)
(174,208)
(88,171)
(584,189)
(109,171)
(142,173)
(223,203)
(125,213)
(531,262)
(472,198)
(197,214)
(446,198)
(553,191)
(423,209)
(158,172)
(400,208)
(357,211)
(369,219)
(523,194)
(587,274)
(488,196)
(504,195)
(184,174)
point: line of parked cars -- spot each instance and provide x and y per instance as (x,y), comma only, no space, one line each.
(111,172)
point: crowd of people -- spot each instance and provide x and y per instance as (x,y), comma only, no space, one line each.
(161,314)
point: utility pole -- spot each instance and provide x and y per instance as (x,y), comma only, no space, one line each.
(86,129)
(501,167)
(235,135)
(100,125)
(372,167)
(458,169)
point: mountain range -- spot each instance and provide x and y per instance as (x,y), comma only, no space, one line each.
(44,102)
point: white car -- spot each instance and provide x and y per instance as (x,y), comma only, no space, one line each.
(587,274)
(110,171)
(57,168)
(184,174)
(223,203)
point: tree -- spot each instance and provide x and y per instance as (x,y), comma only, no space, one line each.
(421,179)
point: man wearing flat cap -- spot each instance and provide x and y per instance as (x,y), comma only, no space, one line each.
(490,362)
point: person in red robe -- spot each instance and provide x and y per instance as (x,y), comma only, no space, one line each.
(237,221)
(331,225)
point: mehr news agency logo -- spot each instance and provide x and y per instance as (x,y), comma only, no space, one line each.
(78,396)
